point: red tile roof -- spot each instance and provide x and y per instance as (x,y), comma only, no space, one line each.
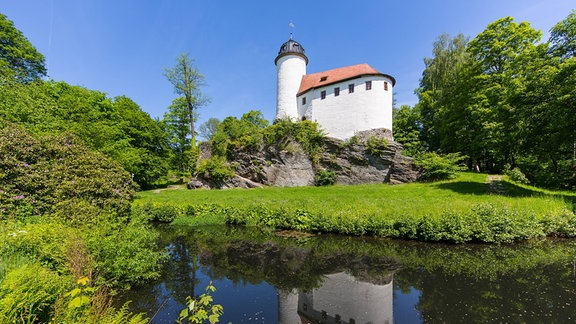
(320,79)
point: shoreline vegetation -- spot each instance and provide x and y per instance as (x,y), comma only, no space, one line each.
(458,211)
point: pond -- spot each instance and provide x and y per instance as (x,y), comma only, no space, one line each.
(265,277)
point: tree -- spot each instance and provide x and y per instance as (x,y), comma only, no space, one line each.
(187,81)
(407,126)
(563,37)
(437,86)
(177,126)
(18,58)
(208,128)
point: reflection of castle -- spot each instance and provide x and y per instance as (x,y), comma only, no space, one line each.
(341,299)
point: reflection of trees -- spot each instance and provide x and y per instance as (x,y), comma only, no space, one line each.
(288,266)
(457,282)
(542,295)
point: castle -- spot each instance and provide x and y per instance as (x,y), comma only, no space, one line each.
(342,101)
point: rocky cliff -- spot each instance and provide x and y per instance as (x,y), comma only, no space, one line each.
(369,157)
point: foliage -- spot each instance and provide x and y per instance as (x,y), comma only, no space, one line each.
(515,175)
(460,210)
(376,146)
(435,167)
(244,133)
(201,308)
(116,127)
(307,133)
(325,178)
(407,129)
(36,173)
(503,98)
(124,256)
(18,58)
(215,168)
(28,294)
(187,81)
(208,129)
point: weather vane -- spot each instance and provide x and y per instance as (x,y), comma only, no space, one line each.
(291,25)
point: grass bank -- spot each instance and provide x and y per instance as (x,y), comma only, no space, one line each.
(460,210)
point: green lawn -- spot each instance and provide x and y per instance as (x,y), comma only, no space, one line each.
(381,209)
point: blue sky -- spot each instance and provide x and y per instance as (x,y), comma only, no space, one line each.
(121,47)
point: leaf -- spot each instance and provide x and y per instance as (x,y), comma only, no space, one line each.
(79,302)
(83,281)
(184,313)
(72,293)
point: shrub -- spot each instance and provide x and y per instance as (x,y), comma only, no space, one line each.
(515,175)
(215,168)
(28,294)
(326,178)
(376,146)
(38,173)
(439,167)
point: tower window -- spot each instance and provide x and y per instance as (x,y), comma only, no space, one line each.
(351,88)
(336,92)
(385,86)
(303,100)
(368,85)
(323,94)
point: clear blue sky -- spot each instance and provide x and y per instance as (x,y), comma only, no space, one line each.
(121,47)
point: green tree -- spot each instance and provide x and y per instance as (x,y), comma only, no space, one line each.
(18,58)
(502,52)
(437,86)
(563,37)
(187,81)
(177,124)
(209,128)
(407,128)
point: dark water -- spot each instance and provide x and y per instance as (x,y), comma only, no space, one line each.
(267,278)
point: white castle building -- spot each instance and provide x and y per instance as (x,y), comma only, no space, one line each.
(342,101)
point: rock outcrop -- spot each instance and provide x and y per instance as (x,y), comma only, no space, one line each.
(369,157)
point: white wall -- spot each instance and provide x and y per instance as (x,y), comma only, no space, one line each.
(348,113)
(290,69)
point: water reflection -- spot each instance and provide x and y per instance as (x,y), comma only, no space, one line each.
(340,299)
(265,278)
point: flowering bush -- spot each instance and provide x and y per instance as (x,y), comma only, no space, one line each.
(37,173)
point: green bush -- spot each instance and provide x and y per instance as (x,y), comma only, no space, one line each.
(215,168)
(325,178)
(435,167)
(376,146)
(515,174)
(28,294)
(38,173)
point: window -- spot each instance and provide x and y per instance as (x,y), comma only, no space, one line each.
(385,86)
(303,100)
(351,88)
(324,78)
(336,92)
(368,85)
(323,94)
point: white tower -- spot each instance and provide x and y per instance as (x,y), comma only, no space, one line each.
(290,66)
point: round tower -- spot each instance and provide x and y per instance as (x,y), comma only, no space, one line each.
(290,67)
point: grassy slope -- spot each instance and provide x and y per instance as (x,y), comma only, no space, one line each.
(460,210)
(406,201)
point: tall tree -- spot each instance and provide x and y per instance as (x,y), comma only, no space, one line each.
(208,128)
(563,37)
(18,58)
(502,52)
(177,125)
(187,81)
(439,79)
